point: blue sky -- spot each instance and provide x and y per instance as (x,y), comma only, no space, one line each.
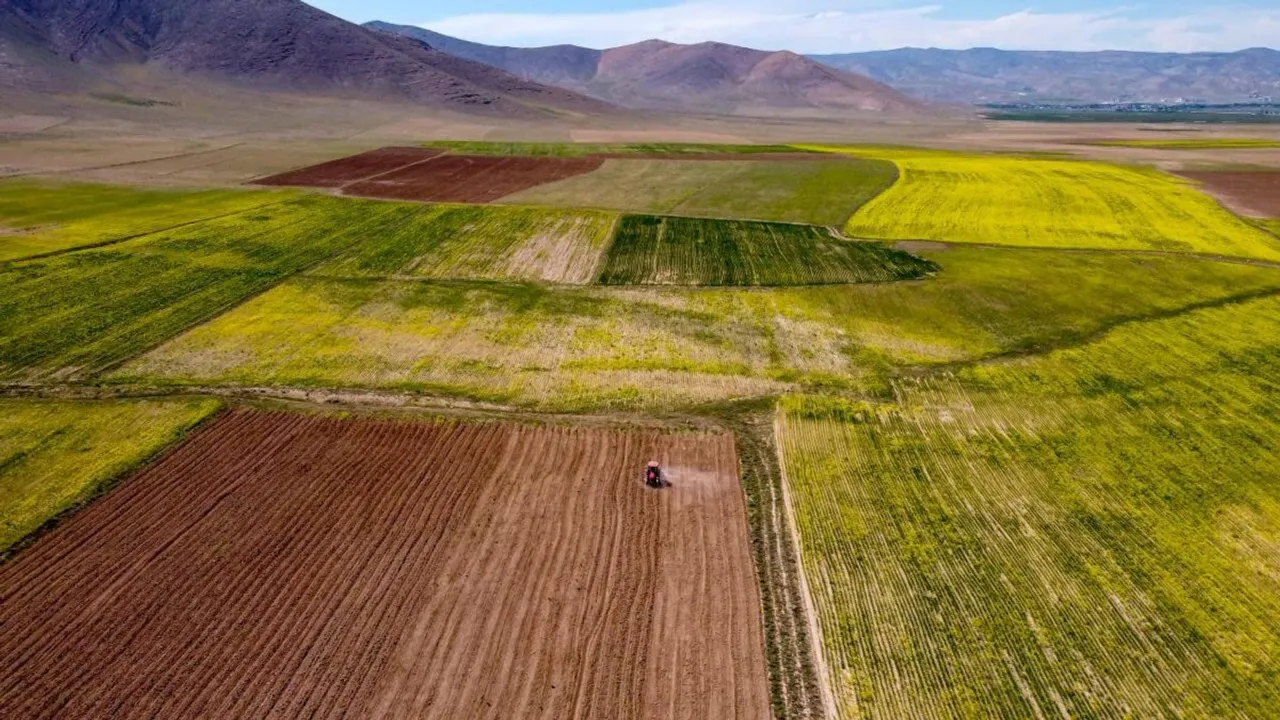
(817,26)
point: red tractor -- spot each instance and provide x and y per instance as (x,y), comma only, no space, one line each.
(653,475)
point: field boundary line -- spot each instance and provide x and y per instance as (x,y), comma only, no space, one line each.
(177,156)
(216,313)
(1234,259)
(816,642)
(102,489)
(1095,335)
(127,238)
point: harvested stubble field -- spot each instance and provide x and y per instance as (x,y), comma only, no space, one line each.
(824,190)
(654,250)
(76,314)
(470,178)
(39,218)
(482,243)
(304,566)
(1254,192)
(57,454)
(344,171)
(1036,202)
(1090,533)
(570,348)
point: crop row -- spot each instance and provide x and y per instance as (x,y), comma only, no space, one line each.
(492,243)
(38,218)
(56,454)
(1087,534)
(79,313)
(649,250)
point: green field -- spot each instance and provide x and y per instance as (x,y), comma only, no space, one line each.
(819,192)
(563,149)
(593,348)
(1209,143)
(38,218)
(1033,202)
(75,314)
(1091,533)
(57,454)
(483,243)
(653,250)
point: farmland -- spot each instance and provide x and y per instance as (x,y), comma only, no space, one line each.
(38,218)
(56,454)
(470,178)
(1209,143)
(348,170)
(1033,202)
(76,314)
(821,191)
(534,149)
(315,455)
(650,250)
(484,243)
(1085,533)
(1254,192)
(594,348)
(307,566)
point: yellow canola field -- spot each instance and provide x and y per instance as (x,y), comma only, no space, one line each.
(1052,203)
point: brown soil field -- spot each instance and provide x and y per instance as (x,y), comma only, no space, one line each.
(343,171)
(296,565)
(1254,193)
(471,178)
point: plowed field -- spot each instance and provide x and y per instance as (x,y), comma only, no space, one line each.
(300,566)
(471,178)
(1251,192)
(342,171)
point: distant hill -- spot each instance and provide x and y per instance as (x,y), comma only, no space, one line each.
(282,44)
(985,75)
(707,77)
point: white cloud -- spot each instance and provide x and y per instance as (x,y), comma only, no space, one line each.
(849,25)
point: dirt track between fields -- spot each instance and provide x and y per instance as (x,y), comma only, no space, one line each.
(290,565)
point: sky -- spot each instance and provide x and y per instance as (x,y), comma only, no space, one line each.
(833,26)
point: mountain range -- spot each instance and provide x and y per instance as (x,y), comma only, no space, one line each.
(80,46)
(706,77)
(986,75)
(56,45)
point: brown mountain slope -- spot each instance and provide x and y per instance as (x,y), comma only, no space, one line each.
(707,77)
(282,44)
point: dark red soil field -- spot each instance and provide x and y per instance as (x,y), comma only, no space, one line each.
(343,171)
(287,565)
(1248,193)
(471,178)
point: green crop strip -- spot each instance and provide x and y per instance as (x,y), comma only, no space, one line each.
(76,314)
(820,192)
(565,348)
(651,250)
(1032,202)
(482,243)
(1091,533)
(40,218)
(55,455)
